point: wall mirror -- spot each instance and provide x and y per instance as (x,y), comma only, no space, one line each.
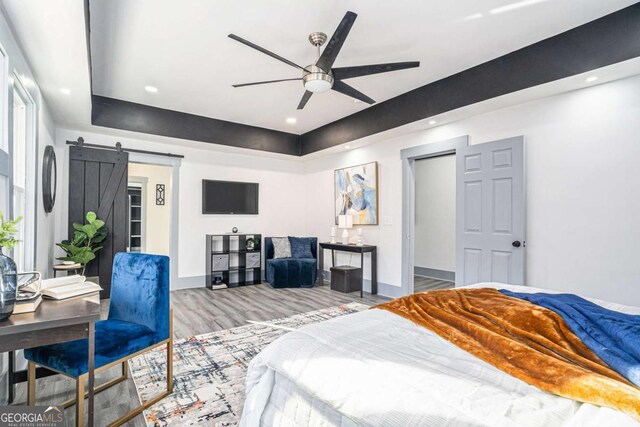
(49,178)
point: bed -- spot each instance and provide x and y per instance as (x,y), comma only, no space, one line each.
(375,368)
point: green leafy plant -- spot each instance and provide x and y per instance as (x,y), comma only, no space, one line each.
(255,241)
(86,242)
(7,230)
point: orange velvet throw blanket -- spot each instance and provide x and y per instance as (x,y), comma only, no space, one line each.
(527,341)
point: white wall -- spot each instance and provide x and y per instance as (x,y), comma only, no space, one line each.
(582,188)
(46,222)
(157,218)
(283,195)
(435,228)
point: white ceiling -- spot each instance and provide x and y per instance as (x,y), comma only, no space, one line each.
(185,52)
(52,37)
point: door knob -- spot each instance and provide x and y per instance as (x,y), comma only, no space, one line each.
(516,244)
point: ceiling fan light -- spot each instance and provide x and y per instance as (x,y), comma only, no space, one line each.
(316,80)
(317,86)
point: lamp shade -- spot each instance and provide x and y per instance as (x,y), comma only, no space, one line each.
(345,221)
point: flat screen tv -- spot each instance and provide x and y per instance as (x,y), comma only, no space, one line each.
(229,197)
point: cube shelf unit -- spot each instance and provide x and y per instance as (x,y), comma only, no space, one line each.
(228,258)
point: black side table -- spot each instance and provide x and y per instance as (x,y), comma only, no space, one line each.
(333,247)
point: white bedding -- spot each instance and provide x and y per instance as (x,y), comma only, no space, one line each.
(375,368)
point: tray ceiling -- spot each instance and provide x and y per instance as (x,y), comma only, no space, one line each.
(184,51)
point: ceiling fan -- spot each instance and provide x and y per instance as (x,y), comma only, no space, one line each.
(320,77)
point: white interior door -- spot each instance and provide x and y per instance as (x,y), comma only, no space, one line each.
(490,213)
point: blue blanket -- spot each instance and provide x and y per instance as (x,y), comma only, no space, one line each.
(613,336)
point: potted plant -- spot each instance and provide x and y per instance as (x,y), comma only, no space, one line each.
(8,269)
(86,242)
(253,244)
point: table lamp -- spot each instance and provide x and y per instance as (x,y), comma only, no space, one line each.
(345,222)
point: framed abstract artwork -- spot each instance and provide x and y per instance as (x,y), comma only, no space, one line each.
(356,193)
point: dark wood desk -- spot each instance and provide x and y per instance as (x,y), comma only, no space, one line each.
(56,322)
(333,247)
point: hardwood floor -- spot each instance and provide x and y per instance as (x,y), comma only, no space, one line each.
(423,284)
(195,311)
(229,308)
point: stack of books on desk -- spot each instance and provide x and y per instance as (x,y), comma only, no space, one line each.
(68,287)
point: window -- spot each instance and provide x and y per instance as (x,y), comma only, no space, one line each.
(19,173)
(4,149)
(22,139)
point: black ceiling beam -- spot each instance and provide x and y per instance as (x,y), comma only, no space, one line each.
(118,114)
(611,39)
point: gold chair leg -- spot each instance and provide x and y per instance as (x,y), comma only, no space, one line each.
(170,355)
(80,400)
(31,384)
(98,389)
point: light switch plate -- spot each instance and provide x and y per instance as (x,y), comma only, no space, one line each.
(387,220)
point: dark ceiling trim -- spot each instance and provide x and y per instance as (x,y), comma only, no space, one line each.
(605,41)
(118,114)
(611,39)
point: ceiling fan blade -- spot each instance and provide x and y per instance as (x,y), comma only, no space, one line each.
(304,99)
(365,70)
(265,82)
(334,44)
(263,50)
(342,87)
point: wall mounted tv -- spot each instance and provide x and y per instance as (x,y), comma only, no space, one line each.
(229,197)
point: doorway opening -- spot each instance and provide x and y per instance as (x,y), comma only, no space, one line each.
(149,206)
(435,223)
(410,157)
(158,177)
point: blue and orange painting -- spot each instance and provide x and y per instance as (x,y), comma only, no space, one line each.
(356,192)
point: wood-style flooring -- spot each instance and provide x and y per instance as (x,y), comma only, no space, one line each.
(195,311)
(423,284)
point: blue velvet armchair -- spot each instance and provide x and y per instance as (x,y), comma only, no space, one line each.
(294,272)
(140,319)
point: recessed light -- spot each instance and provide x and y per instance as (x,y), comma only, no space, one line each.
(65,91)
(591,79)
(346,147)
(432,122)
(151,89)
(356,101)
(291,120)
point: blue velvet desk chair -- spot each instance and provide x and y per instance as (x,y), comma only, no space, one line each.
(140,319)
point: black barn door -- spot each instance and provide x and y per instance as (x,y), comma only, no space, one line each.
(98,183)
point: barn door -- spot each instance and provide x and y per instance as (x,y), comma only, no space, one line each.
(98,183)
(490,213)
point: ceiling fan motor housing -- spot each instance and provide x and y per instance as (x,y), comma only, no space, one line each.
(316,80)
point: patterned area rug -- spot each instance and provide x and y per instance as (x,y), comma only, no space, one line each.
(209,370)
